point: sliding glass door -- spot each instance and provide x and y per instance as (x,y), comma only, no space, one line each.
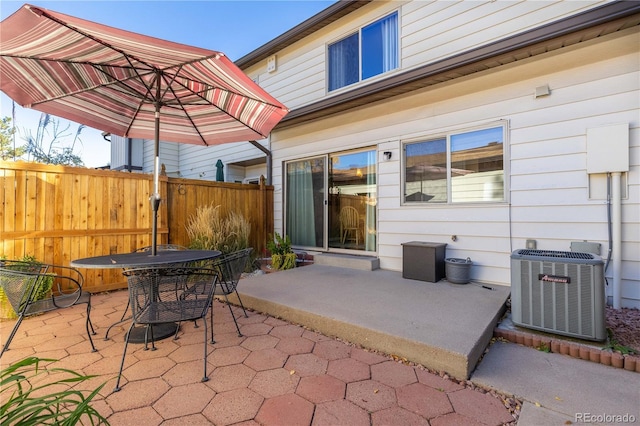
(352,200)
(330,201)
(304,202)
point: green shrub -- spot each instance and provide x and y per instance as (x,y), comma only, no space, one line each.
(28,398)
(282,256)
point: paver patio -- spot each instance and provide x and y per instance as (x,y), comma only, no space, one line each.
(276,374)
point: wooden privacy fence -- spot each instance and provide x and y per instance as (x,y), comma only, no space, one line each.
(58,214)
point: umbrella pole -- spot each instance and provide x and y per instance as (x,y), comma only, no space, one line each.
(155,199)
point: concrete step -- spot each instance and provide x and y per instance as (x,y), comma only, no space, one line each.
(362,263)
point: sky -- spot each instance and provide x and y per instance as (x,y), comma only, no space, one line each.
(235,27)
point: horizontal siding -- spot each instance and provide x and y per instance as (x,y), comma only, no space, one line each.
(298,79)
(198,162)
(429,31)
(591,85)
(462,26)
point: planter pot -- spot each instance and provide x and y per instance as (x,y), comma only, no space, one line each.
(458,271)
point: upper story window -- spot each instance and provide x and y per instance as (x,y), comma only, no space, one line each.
(456,168)
(371,51)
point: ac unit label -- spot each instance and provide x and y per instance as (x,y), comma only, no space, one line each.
(554,278)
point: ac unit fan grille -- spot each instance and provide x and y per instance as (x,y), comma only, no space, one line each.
(557,254)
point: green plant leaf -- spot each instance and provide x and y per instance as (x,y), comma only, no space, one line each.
(26,404)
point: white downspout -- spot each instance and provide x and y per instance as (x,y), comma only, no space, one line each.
(616,218)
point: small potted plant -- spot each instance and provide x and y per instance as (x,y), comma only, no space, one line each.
(282,257)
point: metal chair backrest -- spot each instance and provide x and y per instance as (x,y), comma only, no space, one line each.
(33,288)
(231,266)
(24,265)
(19,286)
(158,294)
(32,292)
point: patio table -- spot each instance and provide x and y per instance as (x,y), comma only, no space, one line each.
(141,260)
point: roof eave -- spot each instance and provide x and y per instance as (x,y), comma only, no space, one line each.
(302,30)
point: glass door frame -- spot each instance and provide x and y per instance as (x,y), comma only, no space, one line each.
(326,158)
(348,186)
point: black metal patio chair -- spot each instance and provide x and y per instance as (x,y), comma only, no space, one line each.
(231,267)
(159,247)
(32,288)
(157,296)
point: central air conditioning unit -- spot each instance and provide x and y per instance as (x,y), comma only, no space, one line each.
(559,292)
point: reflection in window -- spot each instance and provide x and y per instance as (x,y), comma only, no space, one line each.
(477,166)
(474,173)
(343,62)
(426,171)
(374,49)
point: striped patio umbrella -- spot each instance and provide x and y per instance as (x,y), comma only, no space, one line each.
(129,84)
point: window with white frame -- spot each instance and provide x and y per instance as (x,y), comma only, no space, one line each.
(456,168)
(371,51)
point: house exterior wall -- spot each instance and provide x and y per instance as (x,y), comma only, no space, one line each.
(120,153)
(429,31)
(437,30)
(197,162)
(550,197)
(200,162)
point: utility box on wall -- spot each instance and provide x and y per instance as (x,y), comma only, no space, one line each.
(423,261)
(608,149)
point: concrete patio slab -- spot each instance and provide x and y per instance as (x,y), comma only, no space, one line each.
(443,326)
